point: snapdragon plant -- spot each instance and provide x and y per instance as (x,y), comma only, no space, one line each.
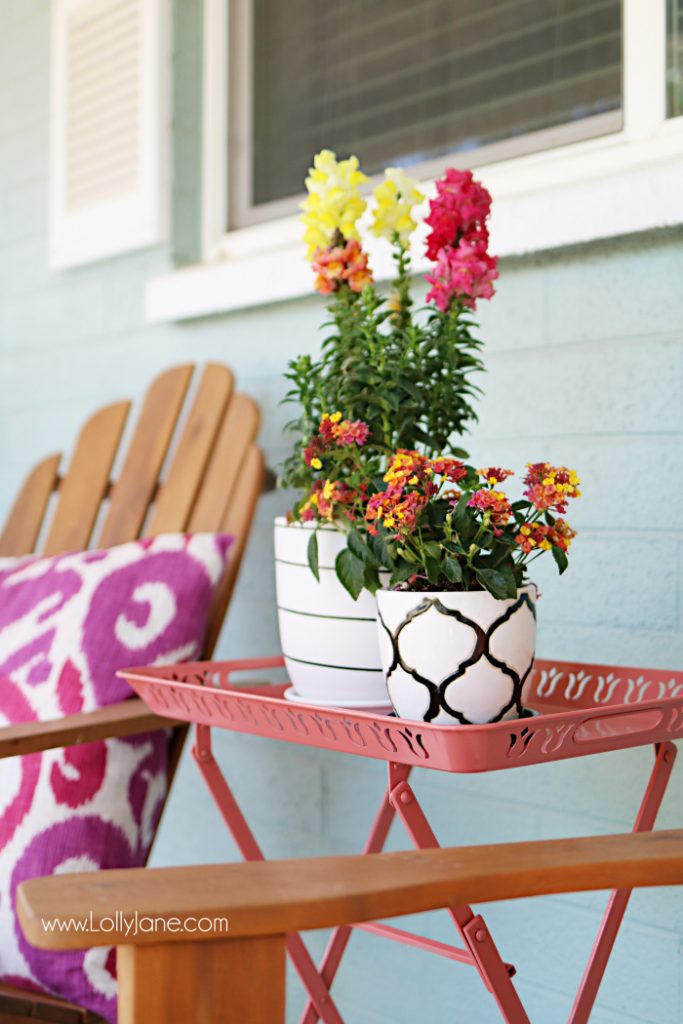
(407,376)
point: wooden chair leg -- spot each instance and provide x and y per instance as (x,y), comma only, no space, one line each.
(226,981)
(22,1006)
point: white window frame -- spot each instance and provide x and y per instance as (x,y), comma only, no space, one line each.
(618,183)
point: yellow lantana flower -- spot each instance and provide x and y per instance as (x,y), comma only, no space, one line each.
(396,196)
(334,202)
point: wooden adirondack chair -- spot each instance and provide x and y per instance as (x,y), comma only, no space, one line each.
(213,481)
(238,976)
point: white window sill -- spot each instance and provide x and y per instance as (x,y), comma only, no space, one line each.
(597,189)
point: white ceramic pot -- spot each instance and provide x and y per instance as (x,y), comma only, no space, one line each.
(456,658)
(329,641)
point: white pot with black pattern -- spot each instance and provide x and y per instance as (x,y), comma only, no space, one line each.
(456,658)
(329,641)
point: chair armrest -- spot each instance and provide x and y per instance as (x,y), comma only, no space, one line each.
(273,898)
(127,718)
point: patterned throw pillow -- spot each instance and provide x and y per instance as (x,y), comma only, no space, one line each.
(67,624)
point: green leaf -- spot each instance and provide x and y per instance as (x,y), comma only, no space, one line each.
(407,555)
(432,549)
(560,558)
(507,572)
(312,552)
(358,546)
(497,583)
(453,570)
(411,388)
(350,572)
(433,570)
(461,517)
(371,579)
(401,573)
(384,551)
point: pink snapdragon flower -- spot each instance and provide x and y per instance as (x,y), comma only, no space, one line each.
(458,242)
(465,272)
(461,207)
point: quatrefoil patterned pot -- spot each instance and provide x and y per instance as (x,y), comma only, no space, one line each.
(456,658)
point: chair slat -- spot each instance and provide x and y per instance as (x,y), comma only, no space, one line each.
(179,491)
(135,488)
(232,485)
(87,480)
(23,524)
(237,521)
(239,428)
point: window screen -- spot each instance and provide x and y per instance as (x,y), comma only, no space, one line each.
(405,81)
(674,64)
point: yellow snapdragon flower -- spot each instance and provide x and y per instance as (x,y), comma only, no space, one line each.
(396,196)
(333,202)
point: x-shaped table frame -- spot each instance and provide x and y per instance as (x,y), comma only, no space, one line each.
(478,949)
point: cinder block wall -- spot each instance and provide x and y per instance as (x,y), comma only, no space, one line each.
(583,350)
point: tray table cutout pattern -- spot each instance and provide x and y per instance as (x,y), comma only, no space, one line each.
(580,710)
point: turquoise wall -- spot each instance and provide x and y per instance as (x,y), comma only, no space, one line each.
(584,352)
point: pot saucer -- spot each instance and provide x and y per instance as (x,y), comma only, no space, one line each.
(290,694)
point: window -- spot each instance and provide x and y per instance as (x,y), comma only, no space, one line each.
(407,81)
(674,62)
(107,190)
(572,113)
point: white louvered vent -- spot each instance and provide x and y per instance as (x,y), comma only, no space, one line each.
(109,128)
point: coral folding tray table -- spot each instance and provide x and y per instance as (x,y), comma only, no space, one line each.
(579,710)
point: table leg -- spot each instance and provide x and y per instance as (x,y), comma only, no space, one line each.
(340,936)
(474,933)
(665,755)
(246,842)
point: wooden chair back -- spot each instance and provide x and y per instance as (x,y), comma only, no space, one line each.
(191,464)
